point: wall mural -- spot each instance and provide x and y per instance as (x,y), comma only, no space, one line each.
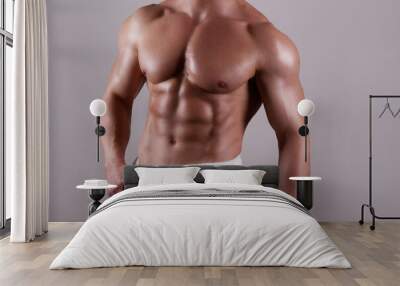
(209,66)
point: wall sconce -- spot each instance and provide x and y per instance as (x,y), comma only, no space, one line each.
(305,108)
(98,108)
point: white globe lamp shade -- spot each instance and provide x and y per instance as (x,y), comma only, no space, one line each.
(98,107)
(306,107)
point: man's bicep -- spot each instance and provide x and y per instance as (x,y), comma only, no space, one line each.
(126,77)
(278,77)
(280,96)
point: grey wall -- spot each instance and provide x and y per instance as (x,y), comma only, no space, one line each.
(349,49)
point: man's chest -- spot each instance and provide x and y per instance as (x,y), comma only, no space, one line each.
(216,55)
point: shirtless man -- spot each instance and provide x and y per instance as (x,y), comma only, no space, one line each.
(209,65)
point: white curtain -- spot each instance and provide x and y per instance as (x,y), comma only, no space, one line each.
(27,123)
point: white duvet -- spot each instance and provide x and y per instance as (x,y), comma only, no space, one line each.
(206,231)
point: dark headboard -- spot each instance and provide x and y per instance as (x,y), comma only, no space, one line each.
(270,179)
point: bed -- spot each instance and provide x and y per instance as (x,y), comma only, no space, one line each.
(198,224)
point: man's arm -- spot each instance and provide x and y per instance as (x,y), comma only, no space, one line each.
(279,85)
(125,82)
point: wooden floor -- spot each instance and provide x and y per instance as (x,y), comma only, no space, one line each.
(375,257)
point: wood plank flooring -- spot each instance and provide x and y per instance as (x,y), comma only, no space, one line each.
(375,257)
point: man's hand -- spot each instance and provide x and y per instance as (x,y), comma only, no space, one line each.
(115,176)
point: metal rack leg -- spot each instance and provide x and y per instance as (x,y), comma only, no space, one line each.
(374,216)
(372,210)
(361,221)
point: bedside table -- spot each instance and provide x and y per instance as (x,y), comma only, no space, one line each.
(305,190)
(96,192)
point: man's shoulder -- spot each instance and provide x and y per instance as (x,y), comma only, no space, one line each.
(135,25)
(275,47)
(268,36)
(145,14)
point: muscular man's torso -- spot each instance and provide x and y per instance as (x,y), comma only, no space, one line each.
(200,75)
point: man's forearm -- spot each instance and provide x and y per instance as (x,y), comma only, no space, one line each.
(292,162)
(117,123)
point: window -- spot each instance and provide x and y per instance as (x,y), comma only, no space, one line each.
(6,45)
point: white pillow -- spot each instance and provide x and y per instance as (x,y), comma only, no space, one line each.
(165,176)
(246,177)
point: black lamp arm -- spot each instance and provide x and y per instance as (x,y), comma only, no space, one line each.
(100,131)
(304,131)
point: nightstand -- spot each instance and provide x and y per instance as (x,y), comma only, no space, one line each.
(97,190)
(305,190)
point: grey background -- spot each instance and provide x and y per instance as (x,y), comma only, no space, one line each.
(349,49)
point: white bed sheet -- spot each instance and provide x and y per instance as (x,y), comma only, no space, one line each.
(200,232)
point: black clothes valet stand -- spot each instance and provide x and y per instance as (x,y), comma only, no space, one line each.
(394,114)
